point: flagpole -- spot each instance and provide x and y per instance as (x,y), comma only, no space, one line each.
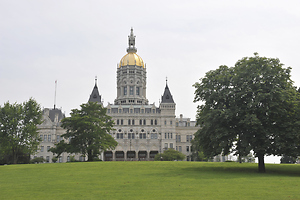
(55,94)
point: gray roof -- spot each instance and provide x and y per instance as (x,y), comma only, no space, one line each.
(57,112)
(167,97)
(95,96)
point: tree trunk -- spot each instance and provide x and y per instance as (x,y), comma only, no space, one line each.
(90,155)
(261,163)
(240,159)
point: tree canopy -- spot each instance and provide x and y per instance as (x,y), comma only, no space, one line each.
(87,132)
(18,131)
(169,155)
(251,106)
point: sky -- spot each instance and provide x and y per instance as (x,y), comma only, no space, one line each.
(73,41)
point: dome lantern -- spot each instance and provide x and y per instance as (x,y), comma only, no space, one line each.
(131,58)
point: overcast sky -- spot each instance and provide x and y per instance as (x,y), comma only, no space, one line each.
(74,41)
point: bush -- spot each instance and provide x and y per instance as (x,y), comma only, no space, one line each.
(169,155)
(37,160)
(54,159)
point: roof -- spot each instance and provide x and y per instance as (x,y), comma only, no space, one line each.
(95,96)
(167,97)
(56,112)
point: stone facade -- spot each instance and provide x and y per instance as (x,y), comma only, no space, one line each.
(142,130)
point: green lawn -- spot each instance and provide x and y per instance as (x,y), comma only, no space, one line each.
(148,180)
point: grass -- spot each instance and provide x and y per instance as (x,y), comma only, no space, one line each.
(149,180)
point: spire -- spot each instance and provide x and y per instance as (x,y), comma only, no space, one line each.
(95,96)
(167,97)
(131,43)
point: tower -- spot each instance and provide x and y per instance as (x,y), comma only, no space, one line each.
(131,77)
(95,96)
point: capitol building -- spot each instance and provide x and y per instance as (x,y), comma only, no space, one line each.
(141,129)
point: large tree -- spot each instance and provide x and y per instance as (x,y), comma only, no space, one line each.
(87,132)
(251,106)
(18,130)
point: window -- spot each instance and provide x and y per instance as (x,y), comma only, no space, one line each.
(130,135)
(141,135)
(49,138)
(133,122)
(180,149)
(125,90)
(48,147)
(57,138)
(142,111)
(121,121)
(189,138)
(152,136)
(187,148)
(68,159)
(155,122)
(151,121)
(141,122)
(117,122)
(120,110)
(165,135)
(137,91)
(168,135)
(155,136)
(42,148)
(131,90)
(129,122)
(166,146)
(144,122)
(153,111)
(171,136)
(45,138)
(171,145)
(178,138)
(144,135)
(119,135)
(131,111)
(60,159)
(171,122)
(165,122)
(108,110)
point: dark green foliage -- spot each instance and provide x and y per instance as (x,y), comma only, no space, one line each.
(87,132)
(18,131)
(251,106)
(54,159)
(288,159)
(169,155)
(37,160)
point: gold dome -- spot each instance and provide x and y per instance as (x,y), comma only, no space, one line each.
(132,59)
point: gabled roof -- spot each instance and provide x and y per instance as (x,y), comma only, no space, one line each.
(167,97)
(95,96)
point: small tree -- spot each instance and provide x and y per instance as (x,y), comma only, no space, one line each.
(87,132)
(169,155)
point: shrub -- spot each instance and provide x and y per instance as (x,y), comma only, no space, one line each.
(37,160)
